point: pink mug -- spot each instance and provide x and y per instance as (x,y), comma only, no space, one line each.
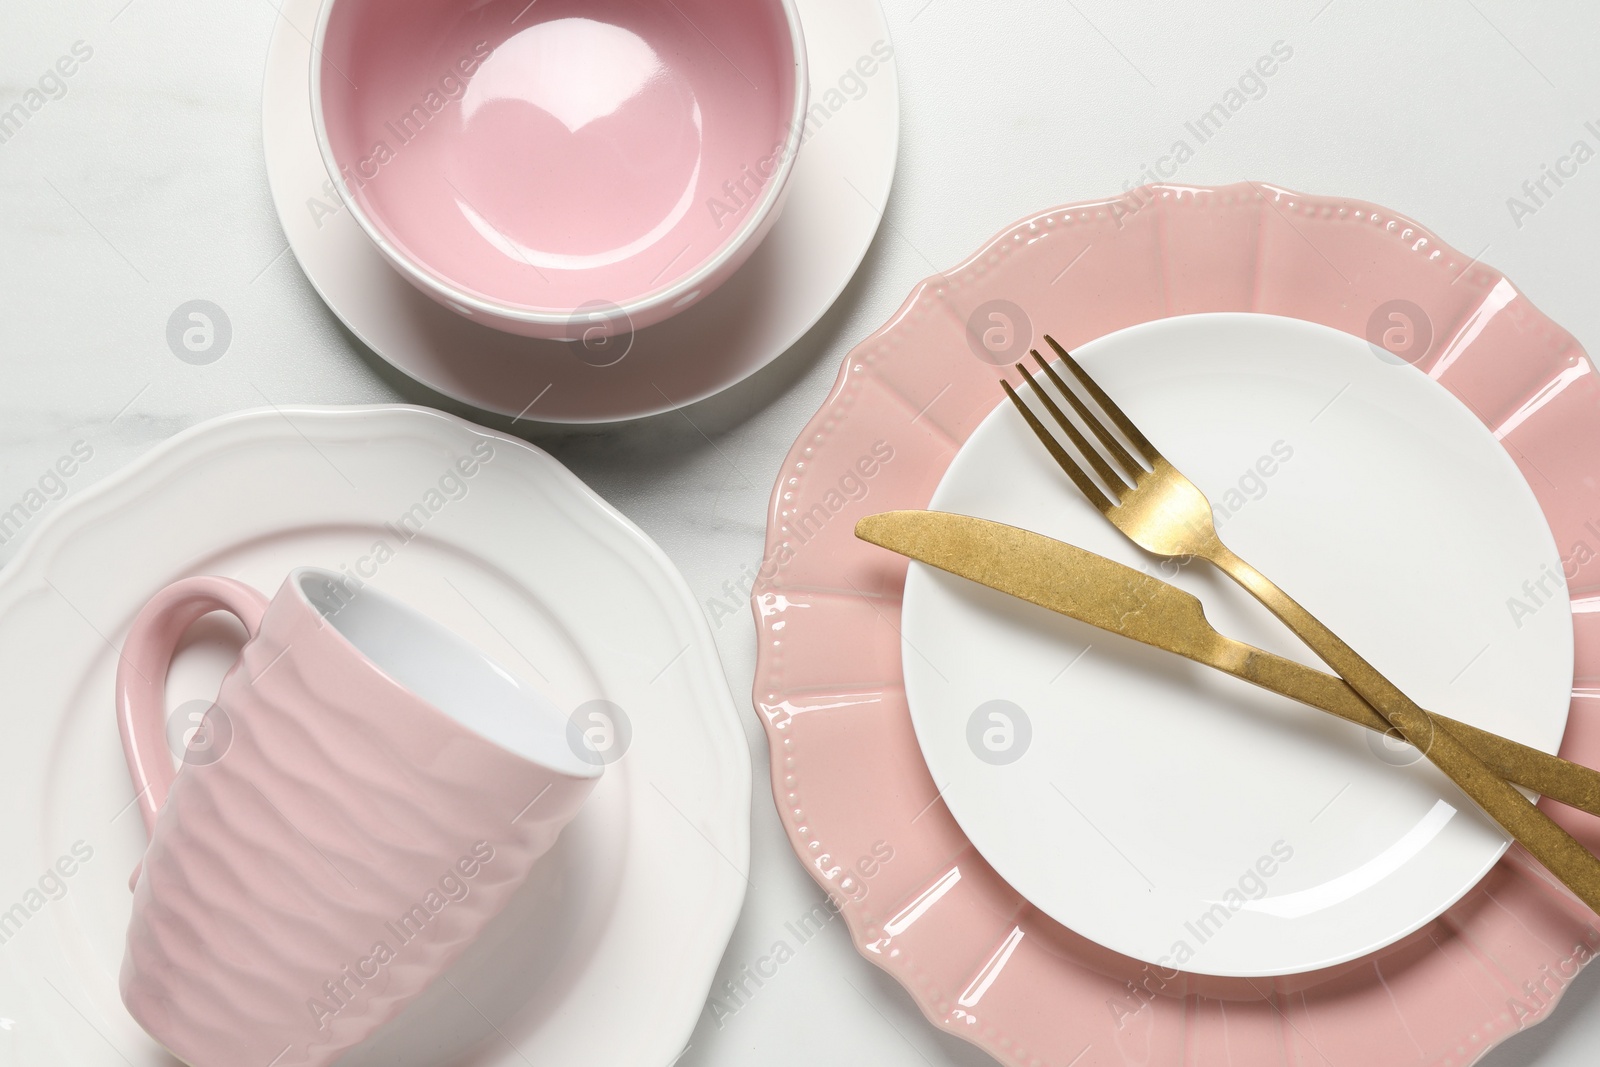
(374,791)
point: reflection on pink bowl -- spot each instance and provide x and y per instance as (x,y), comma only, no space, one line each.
(542,166)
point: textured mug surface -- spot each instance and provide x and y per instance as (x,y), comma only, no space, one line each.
(334,840)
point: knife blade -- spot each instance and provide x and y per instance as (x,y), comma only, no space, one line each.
(1110,596)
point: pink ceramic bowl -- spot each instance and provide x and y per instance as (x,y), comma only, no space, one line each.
(540,167)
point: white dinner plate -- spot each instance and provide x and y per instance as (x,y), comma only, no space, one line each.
(606,954)
(1185,818)
(835,200)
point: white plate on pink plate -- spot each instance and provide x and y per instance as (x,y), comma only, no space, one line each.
(631,911)
(1190,820)
(981,960)
(835,200)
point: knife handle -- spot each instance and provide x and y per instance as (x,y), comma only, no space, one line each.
(1561,854)
(1551,776)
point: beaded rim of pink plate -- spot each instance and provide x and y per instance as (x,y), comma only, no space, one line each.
(854,795)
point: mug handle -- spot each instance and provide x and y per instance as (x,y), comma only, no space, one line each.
(142,675)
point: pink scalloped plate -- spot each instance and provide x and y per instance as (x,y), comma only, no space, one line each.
(848,776)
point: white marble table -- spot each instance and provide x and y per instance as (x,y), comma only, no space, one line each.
(138,185)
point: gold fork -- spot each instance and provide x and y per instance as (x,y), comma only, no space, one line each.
(1163,512)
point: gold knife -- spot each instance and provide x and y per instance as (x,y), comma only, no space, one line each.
(1105,594)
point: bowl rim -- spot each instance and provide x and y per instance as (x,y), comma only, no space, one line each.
(686,288)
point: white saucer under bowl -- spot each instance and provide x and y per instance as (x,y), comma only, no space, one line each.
(836,197)
(628,915)
(1185,818)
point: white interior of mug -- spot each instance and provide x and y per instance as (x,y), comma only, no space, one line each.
(446,671)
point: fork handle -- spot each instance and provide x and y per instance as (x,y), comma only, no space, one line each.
(1550,776)
(1548,843)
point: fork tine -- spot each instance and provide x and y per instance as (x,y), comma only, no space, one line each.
(1107,438)
(1079,478)
(1115,482)
(1125,424)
